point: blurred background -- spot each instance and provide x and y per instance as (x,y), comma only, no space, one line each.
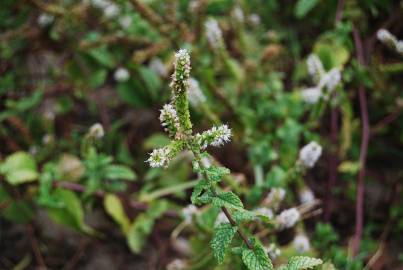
(95,73)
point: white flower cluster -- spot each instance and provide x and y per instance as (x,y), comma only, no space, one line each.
(306,195)
(159,157)
(169,119)
(275,197)
(121,74)
(390,40)
(301,243)
(324,80)
(177,264)
(273,251)
(109,8)
(125,21)
(188,212)
(254,19)
(309,154)
(238,15)
(221,218)
(195,94)
(45,19)
(182,71)
(158,67)
(216,136)
(287,218)
(264,211)
(96,131)
(214,34)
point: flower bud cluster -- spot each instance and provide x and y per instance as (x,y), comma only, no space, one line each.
(390,40)
(287,218)
(301,243)
(324,80)
(195,94)
(309,154)
(216,136)
(109,8)
(96,131)
(214,34)
(121,74)
(169,120)
(161,157)
(181,74)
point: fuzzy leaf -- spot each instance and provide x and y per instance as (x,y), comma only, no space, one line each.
(302,262)
(222,238)
(304,6)
(198,189)
(227,199)
(243,215)
(215,174)
(256,259)
(205,198)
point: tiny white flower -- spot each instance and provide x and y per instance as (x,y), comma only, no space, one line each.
(331,79)
(177,264)
(188,212)
(315,67)
(273,251)
(275,196)
(399,47)
(264,211)
(309,154)
(301,243)
(311,95)
(221,218)
(193,6)
(111,11)
(125,21)
(223,135)
(386,37)
(169,116)
(238,14)
(206,162)
(121,74)
(254,19)
(45,19)
(195,94)
(96,131)
(213,33)
(306,195)
(159,157)
(158,67)
(287,218)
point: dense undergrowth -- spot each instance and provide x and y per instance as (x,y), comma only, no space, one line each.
(280,145)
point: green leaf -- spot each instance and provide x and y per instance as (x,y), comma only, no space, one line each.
(72,213)
(205,198)
(119,172)
(302,262)
(243,215)
(156,140)
(222,238)
(303,7)
(202,185)
(227,199)
(256,259)
(215,174)
(114,208)
(19,168)
(138,232)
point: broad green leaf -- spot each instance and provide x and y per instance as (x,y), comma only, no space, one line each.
(227,199)
(119,172)
(114,208)
(72,213)
(222,238)
(138,232)
(19,168)
(302,262)
(243,215)
(198,189)
(303,7)
(256,259)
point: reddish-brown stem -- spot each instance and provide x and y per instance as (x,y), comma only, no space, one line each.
(359,212)
(339,11)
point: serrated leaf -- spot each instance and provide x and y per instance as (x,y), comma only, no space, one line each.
(205,198)
(256,259)
(198,189)
(302,262)
(119,172)
(243,215)
(227,199)
(222,238)
(113,206)
(19,168)
(216,174)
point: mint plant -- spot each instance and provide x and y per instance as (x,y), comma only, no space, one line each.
(175,118)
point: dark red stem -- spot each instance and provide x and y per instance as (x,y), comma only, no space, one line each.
(359,212)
